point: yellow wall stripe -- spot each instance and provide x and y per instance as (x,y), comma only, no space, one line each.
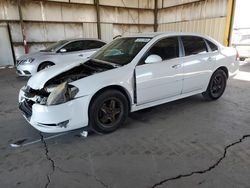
(228,21)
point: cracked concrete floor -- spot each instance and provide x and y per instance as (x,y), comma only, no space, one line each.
(186,143)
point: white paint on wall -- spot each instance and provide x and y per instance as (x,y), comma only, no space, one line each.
(6,57)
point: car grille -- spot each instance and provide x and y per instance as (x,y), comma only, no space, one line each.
(19,62)
(26,108)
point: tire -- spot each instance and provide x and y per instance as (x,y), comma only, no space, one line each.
(216,86)
(242,58)
(108,111)
(44,66)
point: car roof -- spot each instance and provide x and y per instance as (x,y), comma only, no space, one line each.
(172,33)
(169,33)
(77,39)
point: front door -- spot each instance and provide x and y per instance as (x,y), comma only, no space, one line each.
(75,51)
(163,79)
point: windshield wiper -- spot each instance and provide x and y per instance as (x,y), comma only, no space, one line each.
(106,62)
(46,50)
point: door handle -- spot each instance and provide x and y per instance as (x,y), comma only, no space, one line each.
(176,66)
(81,55)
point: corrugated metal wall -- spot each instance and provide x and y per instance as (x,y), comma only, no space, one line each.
(53,20)
(202,16)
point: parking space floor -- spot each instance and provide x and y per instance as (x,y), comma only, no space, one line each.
(186,143)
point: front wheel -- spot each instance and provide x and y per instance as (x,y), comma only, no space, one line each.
(108,111)
(44,66)
(216,85)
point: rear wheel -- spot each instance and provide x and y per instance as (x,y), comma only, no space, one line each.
(108,111)
(44,65)
(242,58)
(216,85)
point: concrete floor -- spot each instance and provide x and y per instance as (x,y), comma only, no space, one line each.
(187,143)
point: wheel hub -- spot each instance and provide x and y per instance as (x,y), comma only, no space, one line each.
(217,84)
(110,111)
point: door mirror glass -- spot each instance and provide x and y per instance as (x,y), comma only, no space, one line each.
(153,59)
(63,50)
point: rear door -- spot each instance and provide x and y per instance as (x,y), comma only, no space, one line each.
(197,63)
(160,80)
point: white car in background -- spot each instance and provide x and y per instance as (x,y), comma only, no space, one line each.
(128,74)
(243,47)
(62,51)
(241,41)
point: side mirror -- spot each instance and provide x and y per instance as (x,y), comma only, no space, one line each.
(153,59)
(63,50)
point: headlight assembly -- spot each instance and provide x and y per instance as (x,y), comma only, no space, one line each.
(28,61)
(61,94)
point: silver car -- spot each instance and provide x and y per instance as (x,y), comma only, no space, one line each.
(62,51)
(241,41)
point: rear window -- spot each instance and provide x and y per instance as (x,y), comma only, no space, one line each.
(212,46)
(193,45)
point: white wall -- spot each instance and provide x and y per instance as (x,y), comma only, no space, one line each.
(53,20)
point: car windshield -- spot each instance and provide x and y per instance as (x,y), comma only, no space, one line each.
(54,46)
(122,50)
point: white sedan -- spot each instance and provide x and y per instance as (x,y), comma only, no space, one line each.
(129,74)
(62,51)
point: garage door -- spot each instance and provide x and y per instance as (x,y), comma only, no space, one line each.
(6,57)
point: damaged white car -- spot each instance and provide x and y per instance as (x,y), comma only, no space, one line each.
(128,74)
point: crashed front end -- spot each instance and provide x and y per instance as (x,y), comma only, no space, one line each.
(52,118)
(56,107)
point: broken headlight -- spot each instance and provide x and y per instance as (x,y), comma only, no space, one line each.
(61,94)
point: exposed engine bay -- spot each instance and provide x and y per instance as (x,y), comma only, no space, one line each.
(58,90)
(89,68)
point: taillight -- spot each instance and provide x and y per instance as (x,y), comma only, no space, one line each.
(237,56)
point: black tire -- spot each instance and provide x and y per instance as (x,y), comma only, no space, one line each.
(242,58)
(216,86)
(108,111)
(44,66)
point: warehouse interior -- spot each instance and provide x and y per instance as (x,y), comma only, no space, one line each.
(40,23)
(184,143)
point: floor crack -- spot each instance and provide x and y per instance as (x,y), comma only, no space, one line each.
(86,174)
(49,159)
(205,170)
(101,182)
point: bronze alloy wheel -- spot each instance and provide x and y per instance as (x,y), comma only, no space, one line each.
(108,111)
(216,85)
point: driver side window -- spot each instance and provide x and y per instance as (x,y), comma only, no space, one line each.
(167,48)
(75,46)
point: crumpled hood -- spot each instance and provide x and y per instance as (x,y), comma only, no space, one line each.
(38,80)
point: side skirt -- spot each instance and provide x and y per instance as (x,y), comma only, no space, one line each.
(162,101)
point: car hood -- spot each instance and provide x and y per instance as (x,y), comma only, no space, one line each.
(38,80)
(35,55)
